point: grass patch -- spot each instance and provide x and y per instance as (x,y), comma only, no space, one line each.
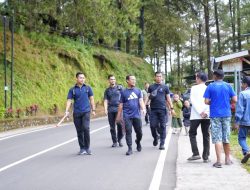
(236,149)
(45,67)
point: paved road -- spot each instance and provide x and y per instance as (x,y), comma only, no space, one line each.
(47,159)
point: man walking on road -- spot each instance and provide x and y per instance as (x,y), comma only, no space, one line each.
(112,97)
(199,116)
(145,97)
(82,95)
(130,104)
(159,98)
(242,118)
(218,95)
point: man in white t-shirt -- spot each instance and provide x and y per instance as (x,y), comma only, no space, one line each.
(199,116)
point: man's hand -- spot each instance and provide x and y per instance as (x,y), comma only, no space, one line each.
(203,115)
(173,113)
(118,119)
(144,111)
(236,126)
(106,112)
(93,112)
(66,113)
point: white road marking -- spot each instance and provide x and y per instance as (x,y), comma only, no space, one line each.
(50,126)
(156,180)
(46,150)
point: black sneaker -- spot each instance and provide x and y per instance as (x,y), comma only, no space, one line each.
(155,142)
(129,152)
(114,145)
(245,158)
(197,157)
(138,146)
(162,147)
(120,144)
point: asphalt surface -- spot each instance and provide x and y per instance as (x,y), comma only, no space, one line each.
(47,159)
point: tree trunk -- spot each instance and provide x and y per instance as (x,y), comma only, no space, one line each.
(119,44)
(192,52)
(217,26)
(128,42)
(239,25)
(178,64)
(200,46)
(141,36)
(206,12)
(170,58)
(232,16)
(166,63)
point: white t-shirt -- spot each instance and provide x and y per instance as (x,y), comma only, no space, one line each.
(197,101)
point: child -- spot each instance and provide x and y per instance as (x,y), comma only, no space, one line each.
(186,115)
(176,118)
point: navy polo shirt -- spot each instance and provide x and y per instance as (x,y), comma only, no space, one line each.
(81,98)
(113,95)
(130,98)
(158,102)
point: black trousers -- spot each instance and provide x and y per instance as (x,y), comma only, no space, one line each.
(115,137)
(158,119)
(82,121)
(205,124)
(136,123)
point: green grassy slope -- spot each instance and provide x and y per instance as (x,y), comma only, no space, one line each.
(45,68)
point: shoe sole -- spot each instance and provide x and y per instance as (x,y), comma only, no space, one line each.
(128,154)
(191,159)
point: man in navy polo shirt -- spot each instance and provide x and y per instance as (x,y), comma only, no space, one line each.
(82,95)
(130,104)
(158,106)
(112,97)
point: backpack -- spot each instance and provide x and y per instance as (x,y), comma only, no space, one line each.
(74,92)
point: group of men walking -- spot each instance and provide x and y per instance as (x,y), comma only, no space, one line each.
(123,106)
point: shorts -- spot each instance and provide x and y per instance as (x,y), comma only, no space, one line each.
(220,129)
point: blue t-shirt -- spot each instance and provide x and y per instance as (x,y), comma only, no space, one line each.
(130,99)
(81,98)
(158,102)
(220,94)
(113,95)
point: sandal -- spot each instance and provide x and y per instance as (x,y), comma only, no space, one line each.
(229,162)
(217,165)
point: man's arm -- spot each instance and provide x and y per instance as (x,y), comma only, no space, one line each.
(118,117)
(92,103)
(207,101)
(234,99)
(240,108)
(142,105)
(147,101)
(169,102)
(68,104)
(106,106)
